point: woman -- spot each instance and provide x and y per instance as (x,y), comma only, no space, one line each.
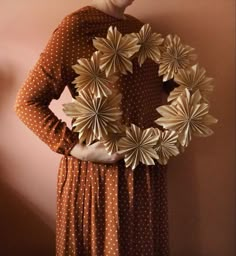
(103,208)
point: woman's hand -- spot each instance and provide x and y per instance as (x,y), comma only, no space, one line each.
(94,153)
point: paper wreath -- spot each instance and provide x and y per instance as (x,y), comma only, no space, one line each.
(97,111)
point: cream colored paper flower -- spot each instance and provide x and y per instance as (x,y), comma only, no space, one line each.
(166,145)
(116,51)
(175,56)
(111,142)
(188,116)
(138,146)
(193,78)
(91,78)
(150,44)
(95,117)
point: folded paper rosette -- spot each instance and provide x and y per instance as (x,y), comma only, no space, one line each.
(97,108)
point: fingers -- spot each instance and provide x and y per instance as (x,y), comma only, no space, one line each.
(98,153)
(116,157)
(98,145)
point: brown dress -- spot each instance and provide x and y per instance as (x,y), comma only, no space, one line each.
(102,209)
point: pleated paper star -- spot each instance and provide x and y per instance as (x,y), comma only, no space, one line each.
(95,117)
(91,78)
(116,51)
(111,142)
(166,145)
(175,56)
(138,146)
(150,44)
(193,78)
(188,116)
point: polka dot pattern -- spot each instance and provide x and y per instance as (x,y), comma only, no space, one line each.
(102,209)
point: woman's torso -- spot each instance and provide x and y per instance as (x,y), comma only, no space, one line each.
(141,90)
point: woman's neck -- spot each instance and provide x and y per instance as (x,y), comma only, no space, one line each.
(109,8)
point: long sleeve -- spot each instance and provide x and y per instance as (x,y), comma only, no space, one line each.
(45,82)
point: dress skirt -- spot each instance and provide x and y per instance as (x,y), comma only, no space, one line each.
(108,209)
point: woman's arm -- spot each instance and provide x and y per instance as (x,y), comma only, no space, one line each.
(44,83)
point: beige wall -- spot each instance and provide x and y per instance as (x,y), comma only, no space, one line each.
(201,181)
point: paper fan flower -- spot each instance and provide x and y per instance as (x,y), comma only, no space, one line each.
(95,117)
(91,78)
(175,56)
(150,44)
(111,142)
(116,51)
(166,145)
(188,116)
(193,78)
(138,146)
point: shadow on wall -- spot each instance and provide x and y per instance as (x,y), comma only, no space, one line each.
(184,205)
(22,232)
(183,198)
(7,81)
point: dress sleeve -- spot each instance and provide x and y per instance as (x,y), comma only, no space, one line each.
(45,82)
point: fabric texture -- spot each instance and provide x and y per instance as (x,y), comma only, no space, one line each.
(102,209)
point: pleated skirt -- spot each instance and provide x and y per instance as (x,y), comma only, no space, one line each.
(111,210)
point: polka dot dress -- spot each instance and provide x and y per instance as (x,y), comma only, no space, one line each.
(102,209)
